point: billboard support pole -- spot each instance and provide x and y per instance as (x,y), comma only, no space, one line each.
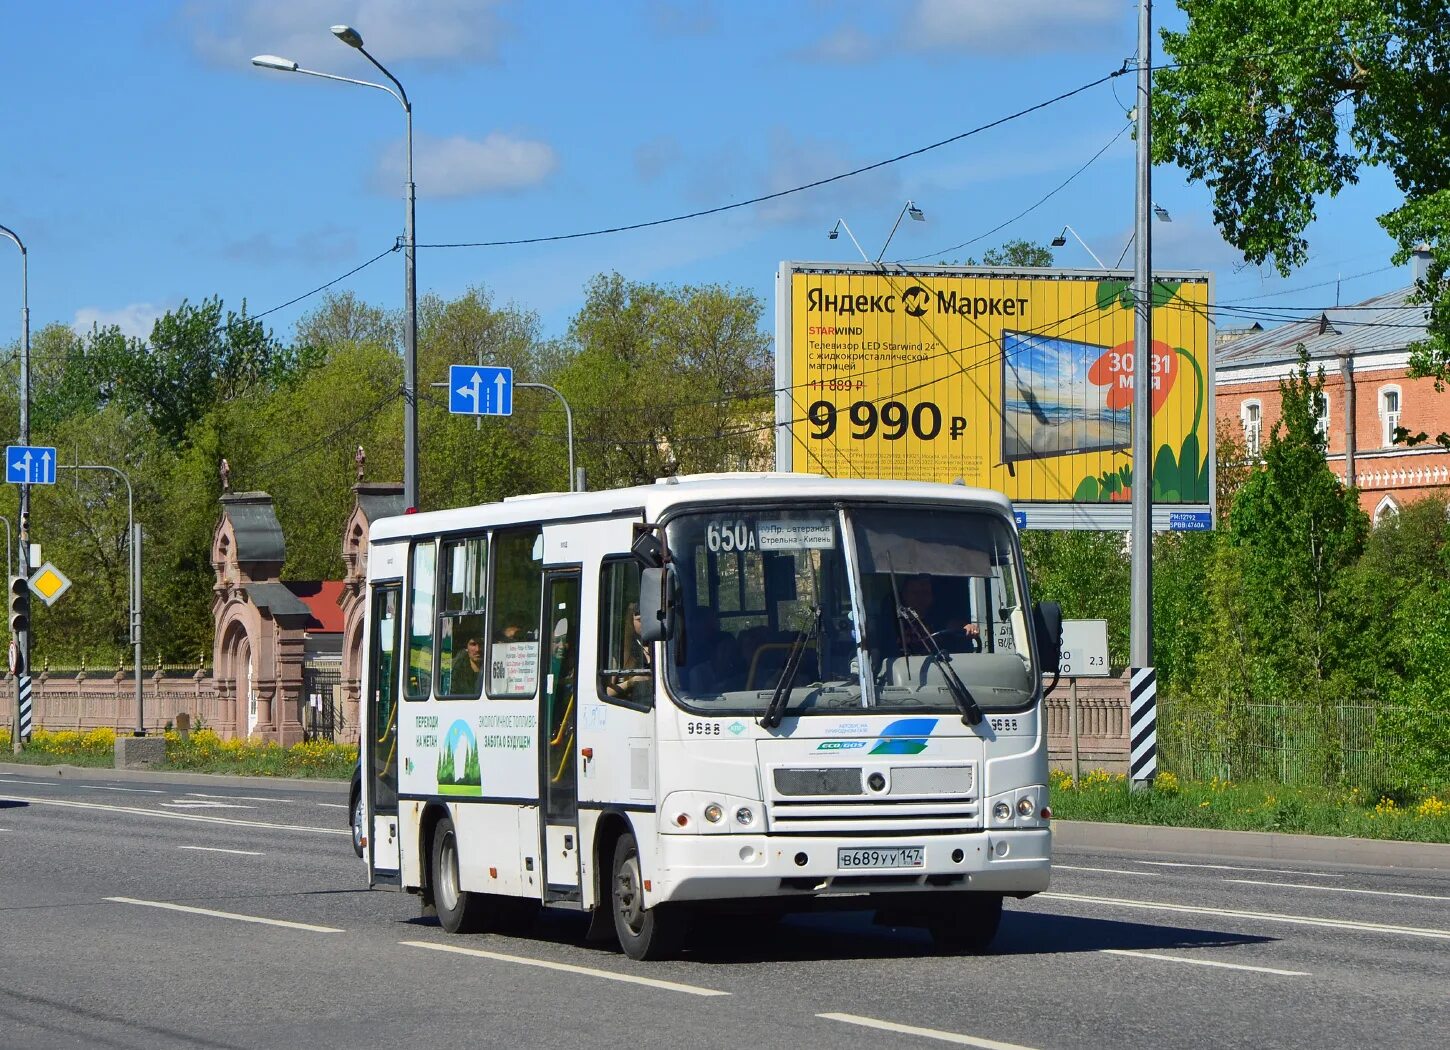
(1141,604)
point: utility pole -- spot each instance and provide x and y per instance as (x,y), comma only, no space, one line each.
(1351,437)
(23,638)
(1142,759)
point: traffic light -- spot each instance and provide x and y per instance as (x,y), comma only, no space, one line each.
(19,605)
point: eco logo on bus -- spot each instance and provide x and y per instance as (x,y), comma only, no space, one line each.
(458,772)
(905,736)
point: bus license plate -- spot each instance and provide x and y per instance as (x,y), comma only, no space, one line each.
(889,857)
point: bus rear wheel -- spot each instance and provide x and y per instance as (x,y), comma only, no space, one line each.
(459,911)
(644,933)
(966,924)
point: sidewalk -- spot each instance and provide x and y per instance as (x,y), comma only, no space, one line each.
(1251,845)
(185,779)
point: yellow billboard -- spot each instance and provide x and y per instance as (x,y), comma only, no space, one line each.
(1019,381)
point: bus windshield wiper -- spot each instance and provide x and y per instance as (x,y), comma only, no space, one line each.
(771,718)
(970,709)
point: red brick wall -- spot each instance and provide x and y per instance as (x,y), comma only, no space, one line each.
(1401,473)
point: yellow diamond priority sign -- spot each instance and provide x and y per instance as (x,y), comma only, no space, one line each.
(49,583)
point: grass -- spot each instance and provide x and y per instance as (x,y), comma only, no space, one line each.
(1403,815)
(203,752)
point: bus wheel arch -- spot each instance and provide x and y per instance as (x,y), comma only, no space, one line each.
(433,813)
(645,933)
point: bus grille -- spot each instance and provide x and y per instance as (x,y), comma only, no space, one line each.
(880,816)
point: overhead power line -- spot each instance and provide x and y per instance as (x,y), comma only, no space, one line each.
(794,189)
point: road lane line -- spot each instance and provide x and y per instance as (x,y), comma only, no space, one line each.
(1108,871)
(110,787)
(35,783)
(167,814)
(167,906)
(1235,867)
(216,849)
(1339,889)
(925,1033)
(239,798)
(1203,962)
(523,960)
(333,805)
(202,805)
(1263,916)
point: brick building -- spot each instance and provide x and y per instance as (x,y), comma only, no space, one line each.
(1363,350)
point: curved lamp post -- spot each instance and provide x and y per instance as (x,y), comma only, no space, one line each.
(352,38)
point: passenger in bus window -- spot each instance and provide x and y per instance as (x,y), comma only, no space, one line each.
(468,667)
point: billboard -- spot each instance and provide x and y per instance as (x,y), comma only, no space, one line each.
(1019,380)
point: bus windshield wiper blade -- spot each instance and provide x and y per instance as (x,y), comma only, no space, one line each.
(771,718)
(970,709)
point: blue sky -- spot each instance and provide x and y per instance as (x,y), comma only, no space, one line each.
(148,161)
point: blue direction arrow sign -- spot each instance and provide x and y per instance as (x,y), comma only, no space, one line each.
(30,465)
(480,390)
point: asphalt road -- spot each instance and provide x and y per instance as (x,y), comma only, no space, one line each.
(162,912)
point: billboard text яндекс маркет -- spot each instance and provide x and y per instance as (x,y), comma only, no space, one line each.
(1015,380)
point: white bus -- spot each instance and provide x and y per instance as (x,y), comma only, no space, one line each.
(729,693)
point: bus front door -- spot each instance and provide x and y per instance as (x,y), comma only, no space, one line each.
(380,741)
(557,717)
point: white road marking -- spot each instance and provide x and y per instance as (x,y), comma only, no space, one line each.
(108,787)
(225,915)
(925,1033)
(238,798)
(1108,871)
(202,805)
(197,817)
(216,849)
(522,960)
(1339,889)
(333,805)
(35,783)
(1234,867)
(1264,916)
(1202,962)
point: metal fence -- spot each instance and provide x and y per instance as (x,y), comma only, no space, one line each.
(322,692)
(1355,742)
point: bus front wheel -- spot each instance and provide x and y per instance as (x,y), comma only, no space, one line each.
(966,924)
(644,933)
(459,911)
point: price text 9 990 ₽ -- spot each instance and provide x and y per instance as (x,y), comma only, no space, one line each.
(892,419)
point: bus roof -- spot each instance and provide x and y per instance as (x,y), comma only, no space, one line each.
(653,501)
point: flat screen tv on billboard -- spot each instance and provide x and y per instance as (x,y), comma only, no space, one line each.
(1019,380)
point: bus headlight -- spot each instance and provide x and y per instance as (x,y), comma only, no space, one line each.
(744,816)
(1025,806)
(1002,811)
(713,813)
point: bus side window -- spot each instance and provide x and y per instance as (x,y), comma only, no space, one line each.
(515,595)
(626,670)
(420,620)
(462,657)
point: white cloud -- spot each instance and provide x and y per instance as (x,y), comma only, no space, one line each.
(230,34)
(459,166)
(1021,27)
(135,320)
(844,44)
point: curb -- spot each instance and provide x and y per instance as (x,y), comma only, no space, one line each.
(321,786)
(1252,845)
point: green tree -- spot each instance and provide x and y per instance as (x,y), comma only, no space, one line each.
(1011,253)
(1276,104)
(667,380)
(1088,572)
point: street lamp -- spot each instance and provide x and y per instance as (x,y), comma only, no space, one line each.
(352,38)
(22,639)
(908,208)
(1061,239)
(836,232)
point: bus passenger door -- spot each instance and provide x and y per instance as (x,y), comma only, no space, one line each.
(380,742)
(558,715)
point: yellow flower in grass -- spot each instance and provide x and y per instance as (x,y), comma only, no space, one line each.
(1386,806)
(1433,807)
(1166,783)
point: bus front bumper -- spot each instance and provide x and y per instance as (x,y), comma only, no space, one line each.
(725,867)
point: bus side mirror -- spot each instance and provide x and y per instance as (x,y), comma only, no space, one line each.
(1047,622)
(648,549)
(656,610)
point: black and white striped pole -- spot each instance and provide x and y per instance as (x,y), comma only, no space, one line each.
(1143,726)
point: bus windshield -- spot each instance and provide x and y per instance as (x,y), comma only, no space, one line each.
(764,592)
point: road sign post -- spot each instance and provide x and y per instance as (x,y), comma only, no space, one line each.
(1084,654)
